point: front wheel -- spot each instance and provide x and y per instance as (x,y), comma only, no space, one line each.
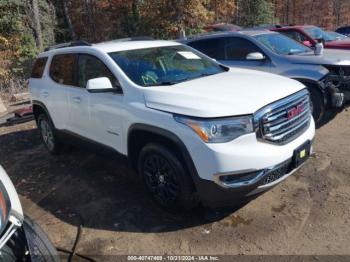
(317,105)
(165,177)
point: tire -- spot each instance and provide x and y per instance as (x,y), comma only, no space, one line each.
(317,105)
(29,243)
(40,247)
(165,178)
(47,132)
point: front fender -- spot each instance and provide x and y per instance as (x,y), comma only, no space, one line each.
(310,73)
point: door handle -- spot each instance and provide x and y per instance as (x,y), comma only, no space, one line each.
(45,93)
(77,99)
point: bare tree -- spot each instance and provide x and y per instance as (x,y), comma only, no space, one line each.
(34,9)
(90,19)
(68,20)
(337,8)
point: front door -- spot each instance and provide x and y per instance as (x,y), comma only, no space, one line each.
(236,51)
(104,109)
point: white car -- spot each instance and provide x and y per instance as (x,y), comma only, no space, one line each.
(194,129)
(21,239)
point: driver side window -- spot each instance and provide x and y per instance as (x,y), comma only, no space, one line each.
(238,48)
(90,67)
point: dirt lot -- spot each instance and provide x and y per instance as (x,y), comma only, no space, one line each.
(307,214)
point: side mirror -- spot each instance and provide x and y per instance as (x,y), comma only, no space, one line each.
(100,85)
(256,56)
(307,43)
(319,49)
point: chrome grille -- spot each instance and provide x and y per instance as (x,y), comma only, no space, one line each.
(284,120)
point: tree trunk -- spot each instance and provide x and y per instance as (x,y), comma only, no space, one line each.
(68,20)
(37,25)
(89,13)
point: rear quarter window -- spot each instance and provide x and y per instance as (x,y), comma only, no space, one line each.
(39,67)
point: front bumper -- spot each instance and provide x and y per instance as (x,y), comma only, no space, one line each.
(216,194)
(260,165)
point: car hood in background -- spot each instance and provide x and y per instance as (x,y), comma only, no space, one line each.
(237,92)
(329,57)
(345,43)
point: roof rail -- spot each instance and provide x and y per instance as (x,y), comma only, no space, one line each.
(135,38)
(69,44)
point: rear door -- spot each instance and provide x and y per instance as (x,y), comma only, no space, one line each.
(213,48)
(61,80)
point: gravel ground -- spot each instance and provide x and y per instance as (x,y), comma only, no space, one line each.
(307,214)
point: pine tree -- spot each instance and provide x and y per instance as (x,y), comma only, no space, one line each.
(255,12)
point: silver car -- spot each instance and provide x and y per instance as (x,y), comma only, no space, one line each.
(326,75)
(21,239)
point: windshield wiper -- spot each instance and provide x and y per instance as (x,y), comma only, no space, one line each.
(299,52)
(163,83)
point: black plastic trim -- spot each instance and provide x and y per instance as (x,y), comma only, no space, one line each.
(169,135)
(315,84)
(40,104)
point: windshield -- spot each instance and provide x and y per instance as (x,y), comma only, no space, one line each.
(318,33)
(165,65)
(337,35)
(281,44)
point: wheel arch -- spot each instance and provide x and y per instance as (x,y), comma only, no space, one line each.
(316,85)
(141,134)
(38,108)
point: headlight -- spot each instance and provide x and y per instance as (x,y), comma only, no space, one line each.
(218,130)
(5,207)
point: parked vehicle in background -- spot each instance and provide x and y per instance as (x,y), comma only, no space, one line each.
(337,35)
(311,35)
(222,27)
(21,239)
(344,30)
(194,129)
(326,76)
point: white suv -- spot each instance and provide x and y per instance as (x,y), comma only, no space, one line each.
(192,128)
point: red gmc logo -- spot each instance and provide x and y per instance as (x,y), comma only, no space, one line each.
(295,111)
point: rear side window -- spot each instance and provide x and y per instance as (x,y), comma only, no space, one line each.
(39,67)
(210,47)
(62,69)
(238,48)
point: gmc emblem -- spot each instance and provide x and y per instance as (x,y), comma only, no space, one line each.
(295,111)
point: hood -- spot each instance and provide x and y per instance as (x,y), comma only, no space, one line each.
(237,92)
(329,57)
(344,43)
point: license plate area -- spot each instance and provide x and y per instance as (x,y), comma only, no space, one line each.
(301,154)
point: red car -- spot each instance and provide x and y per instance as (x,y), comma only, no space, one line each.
(311,35)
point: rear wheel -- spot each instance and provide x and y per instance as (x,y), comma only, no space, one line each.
(165,177)
(48,136)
